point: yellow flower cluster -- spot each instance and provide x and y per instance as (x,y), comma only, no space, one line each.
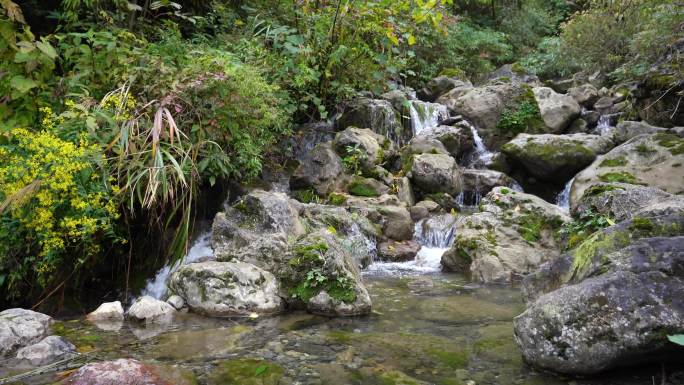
(57,197)
(123,106)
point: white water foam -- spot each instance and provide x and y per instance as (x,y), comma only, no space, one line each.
(435,240)
(157,288)
(482,155)
(431,115)
(563,197)
(604,123)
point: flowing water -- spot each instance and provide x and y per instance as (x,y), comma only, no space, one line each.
(563,197)
(425,115)
(481,156)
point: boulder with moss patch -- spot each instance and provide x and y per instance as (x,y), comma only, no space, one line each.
(320,170)
(435,173)
(621,201)
(557,110)
(554,158)
(611,301)
(457,140)
(375,114)
(512,235)
(652,160)
(362,147)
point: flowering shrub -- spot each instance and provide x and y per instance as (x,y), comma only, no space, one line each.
(58,209)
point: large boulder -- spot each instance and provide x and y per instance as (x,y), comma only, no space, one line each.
(478,182)
(512,235)
(396,222)
(611,301)
(439,86)
(621,201)
(626,130)
(367,147)
(557,110)
(20,328)
(151,311)
(323,277)
(255,229)
(435,173)
(393,251)
(223,289)
(366,187)
(555,158)
(47,351)
(456,140)
(375,114)
(585,95)
(108,311)
(653,160)
(320,170)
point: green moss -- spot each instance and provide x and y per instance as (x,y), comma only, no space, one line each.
(306,196)
(246,372)
(598,189)
(530,227)
(642,224)
(505,191)
(451,359)
(671,141)
(340,336)
(337,199)
(615,162)
(644,149)
(454,73)
(518,68)
(309,255)
(621,177)
(362,188)
(522,116)
(676,165)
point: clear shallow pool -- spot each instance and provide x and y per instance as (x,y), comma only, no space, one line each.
(425,329)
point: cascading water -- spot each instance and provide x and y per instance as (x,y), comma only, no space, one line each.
(435,235)
(425,115)
(481,156)
(563,197)
(157,288)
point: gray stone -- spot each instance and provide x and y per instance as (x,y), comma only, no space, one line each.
(456,140)
(586,95)
(557,110)
(626,130)
(176,301)
(405,191)
(149,310)
(439,86)
(393,251)
(21,327)
(320,170)
(435,173)
(375,114)
(371,146)
(47,351)
(397,223)
(108,311)
(223,289)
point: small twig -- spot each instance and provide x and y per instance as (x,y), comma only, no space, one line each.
(676,108)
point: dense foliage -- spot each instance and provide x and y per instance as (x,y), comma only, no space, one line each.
(115,114)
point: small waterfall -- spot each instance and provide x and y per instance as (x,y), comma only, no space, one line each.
(482,155)
(604,123)
(435,235)
(156,287)
(425,115)
(563,197)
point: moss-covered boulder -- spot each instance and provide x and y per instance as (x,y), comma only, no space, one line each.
(611,301)
(626,130)
(323,277)
(512,235)
(361,149)
(457,140)
(554,158)
(655,160)
(366,187)
(439,86)
(375,114)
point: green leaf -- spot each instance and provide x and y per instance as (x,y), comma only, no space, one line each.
(677,339)
(261,369)
(47,49)
(22,84)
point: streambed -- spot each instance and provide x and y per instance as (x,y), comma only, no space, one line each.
(425,329)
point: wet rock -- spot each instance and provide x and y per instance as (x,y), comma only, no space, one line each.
(425,145)
(127,372)
(555,158)
(307,136)
(626,130)
(20,328)
(149,310)
(319,170)
(557,110)
(423,209)
(393,251)
(405,191)
(512,235)
(603,322)
(456,140)
(223,289)
(424,115)
(176,301)
(242,372)
(604,105)
(653,160)
(435,173)
(366,187)
(439,86)
(365,145)
(579,126)
(591,117)
(396,223)
(375,114)
(437,230)
(586,95)
(47,351)
(108,311)
(479,182)
(323,276)
(399,98)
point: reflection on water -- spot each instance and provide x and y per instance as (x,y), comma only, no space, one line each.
(435,329)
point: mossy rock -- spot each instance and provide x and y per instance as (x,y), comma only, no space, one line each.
(246,372)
